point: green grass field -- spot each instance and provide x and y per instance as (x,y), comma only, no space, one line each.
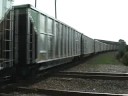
(104,58)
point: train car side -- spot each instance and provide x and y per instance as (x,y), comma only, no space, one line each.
(87,46)
(42,42)
(35,41)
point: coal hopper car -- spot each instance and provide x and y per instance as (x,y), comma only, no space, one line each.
(33,41)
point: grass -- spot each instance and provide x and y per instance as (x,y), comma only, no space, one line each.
(104,58)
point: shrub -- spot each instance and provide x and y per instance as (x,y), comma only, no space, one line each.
(119,55)
(125,59)
(126,48)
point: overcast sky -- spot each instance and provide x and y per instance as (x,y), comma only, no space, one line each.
(99,19)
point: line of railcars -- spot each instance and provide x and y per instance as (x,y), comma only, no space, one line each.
(31,40)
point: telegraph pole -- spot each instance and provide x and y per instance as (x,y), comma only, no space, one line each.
(55,10)
(35,3)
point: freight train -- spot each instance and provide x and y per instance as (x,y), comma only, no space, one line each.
(31,41)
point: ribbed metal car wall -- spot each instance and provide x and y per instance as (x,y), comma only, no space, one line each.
(43,39)
(87,45)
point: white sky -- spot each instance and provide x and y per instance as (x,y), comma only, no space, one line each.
(99,19)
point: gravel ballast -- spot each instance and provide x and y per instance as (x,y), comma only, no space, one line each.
(85,85)
(105,62)
(111,68)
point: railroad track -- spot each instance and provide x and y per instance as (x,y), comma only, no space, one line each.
(48,92)
(53,92)
(97,75)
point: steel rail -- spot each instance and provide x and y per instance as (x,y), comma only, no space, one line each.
(92,75)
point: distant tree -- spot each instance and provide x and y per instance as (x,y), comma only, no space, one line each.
(121,41)
(122,46)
